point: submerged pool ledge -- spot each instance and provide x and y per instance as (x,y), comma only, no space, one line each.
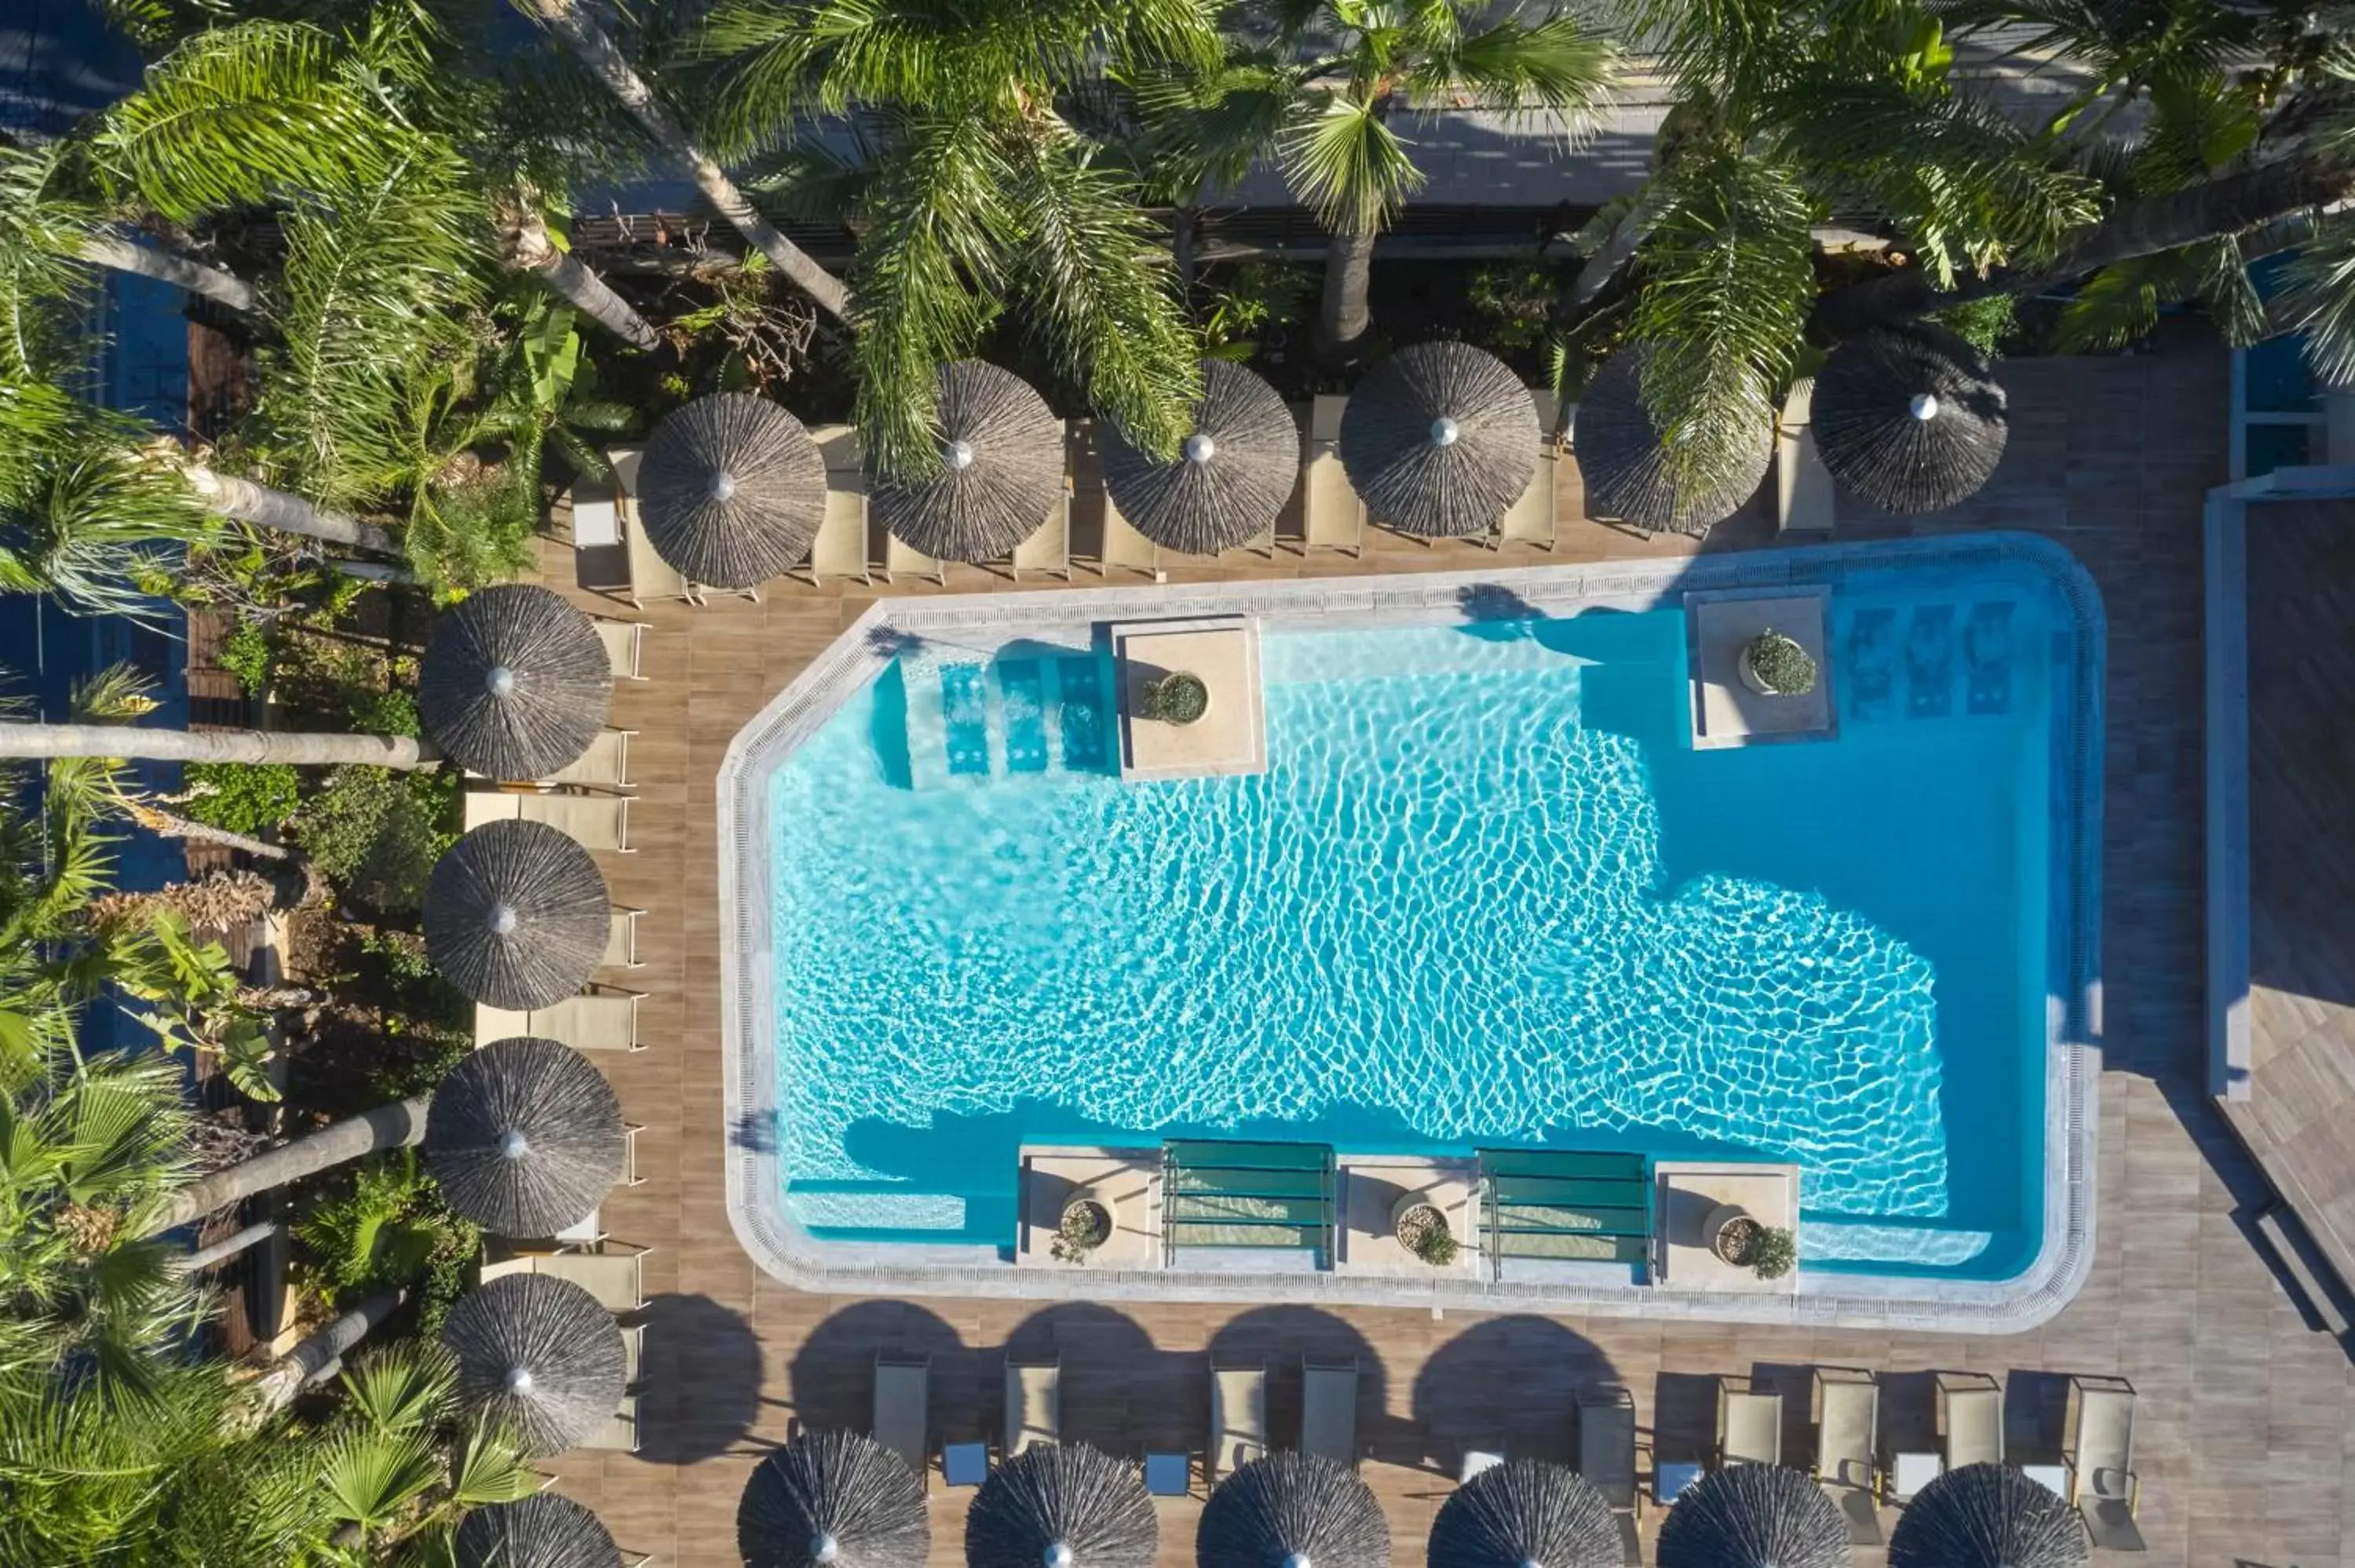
(779,1244)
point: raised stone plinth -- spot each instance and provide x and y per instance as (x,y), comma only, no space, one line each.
(1125,1180)
(1228,740)
(1371,1189)
(1686,1192)
(1725,710)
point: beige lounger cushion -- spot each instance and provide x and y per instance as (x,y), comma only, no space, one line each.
(1328,1411)
(624,643)
(1238,1418)
(604,766)
(1034,1406)
(903,1410)
(600,1021)
(1335,516)
(1849,1414)
(622,941)
(619,1434)
(650,576)
(1531,519)
(594,822)
(1751,1429)
(617,1279)
(1803,485)
(1974,1426)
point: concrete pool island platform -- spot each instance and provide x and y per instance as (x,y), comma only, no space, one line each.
(1458,903)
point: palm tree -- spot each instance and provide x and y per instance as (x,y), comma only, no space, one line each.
(571,22)
(525,246)
(399,1124)
(1320,94)
(42,225)
(980,191)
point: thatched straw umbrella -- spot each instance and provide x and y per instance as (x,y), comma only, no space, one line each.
(732,490)
(539,1354)
(1754,1516)
(1001,470)
(1440,440)
(516,683)
(1624,464)
(518,915)
(1525,1514)
(543,1530)
(1061,1505)
(1909,418)
(1986,1516)
(1238,467)
(833,1500)
(1293,1510)
(525,1137)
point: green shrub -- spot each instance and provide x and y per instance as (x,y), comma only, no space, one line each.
(1988,324)
(241,797)
(1178,698)
(245,653)
(385,713)
(1774,1254)
(385,1226)
(1517,301)
(1782,666)
(376,832)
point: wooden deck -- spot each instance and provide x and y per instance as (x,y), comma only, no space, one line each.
(2246,1416)
(2299,1117)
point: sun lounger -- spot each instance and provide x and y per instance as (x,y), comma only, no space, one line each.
(604,766)
(903,1409)
(622,941)
(633,1354)
(1749,1424)
(1238,1420)
(840,548)
(594,822)
(631,1177)
(1335,517)
(904,560)
(1803,485)
(1531,519)
(1328,1410)
(1606,1458)
(1034,1405)
(615,1276)
(650,576)
(1048,548)
(2100,1455)
(586,1234)
(1970,1419)
(626,646)
(620,1433)
(605,1019)
(1848,1444)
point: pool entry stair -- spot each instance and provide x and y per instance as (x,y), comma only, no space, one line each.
(1565,1206)
(1221,1193)
(970,721)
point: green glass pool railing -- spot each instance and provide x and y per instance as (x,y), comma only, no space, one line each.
(1219,1192)
(1566,1205)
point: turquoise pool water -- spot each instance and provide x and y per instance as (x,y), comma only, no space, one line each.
(1487,893)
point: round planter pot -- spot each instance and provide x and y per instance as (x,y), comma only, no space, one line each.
(1413,1203)
(1087,1198)
(1714,1228)
(1750,677)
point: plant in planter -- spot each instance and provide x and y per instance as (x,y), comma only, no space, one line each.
(1774,665)
(1086,1224)
(1178,698)
(1423,1230)
(1733,1235)
(1774,1253)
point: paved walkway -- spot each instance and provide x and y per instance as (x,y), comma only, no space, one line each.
(2246,1416)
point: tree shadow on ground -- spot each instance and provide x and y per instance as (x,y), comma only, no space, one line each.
(701,1367)
(1505,1386)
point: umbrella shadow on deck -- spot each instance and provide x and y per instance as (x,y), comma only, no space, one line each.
(831,1379)
(1283,1338)
(701,1379)
(1505,1385)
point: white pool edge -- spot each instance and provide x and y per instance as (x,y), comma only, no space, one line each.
(786,1251)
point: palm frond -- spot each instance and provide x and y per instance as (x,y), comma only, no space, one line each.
(1346,163)
(1097,273)
(408,1387)
(2320,301)
(1559,64)
(1205,131)
(2119,304)
(1967,186)
(1725,283)
(235,114)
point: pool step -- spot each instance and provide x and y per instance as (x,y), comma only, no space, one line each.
(1010,717)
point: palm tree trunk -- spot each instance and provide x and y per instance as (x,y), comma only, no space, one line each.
(166,825)
(276,509)
(395,1126)
(181,271)
(228,1247)
(316,1358)
(526,247)
(134,744)
(607,64)
(2228,205)
(1345,319)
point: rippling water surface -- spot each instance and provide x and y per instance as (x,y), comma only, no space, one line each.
(1484,894)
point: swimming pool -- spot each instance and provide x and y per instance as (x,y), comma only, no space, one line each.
(1486,894)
